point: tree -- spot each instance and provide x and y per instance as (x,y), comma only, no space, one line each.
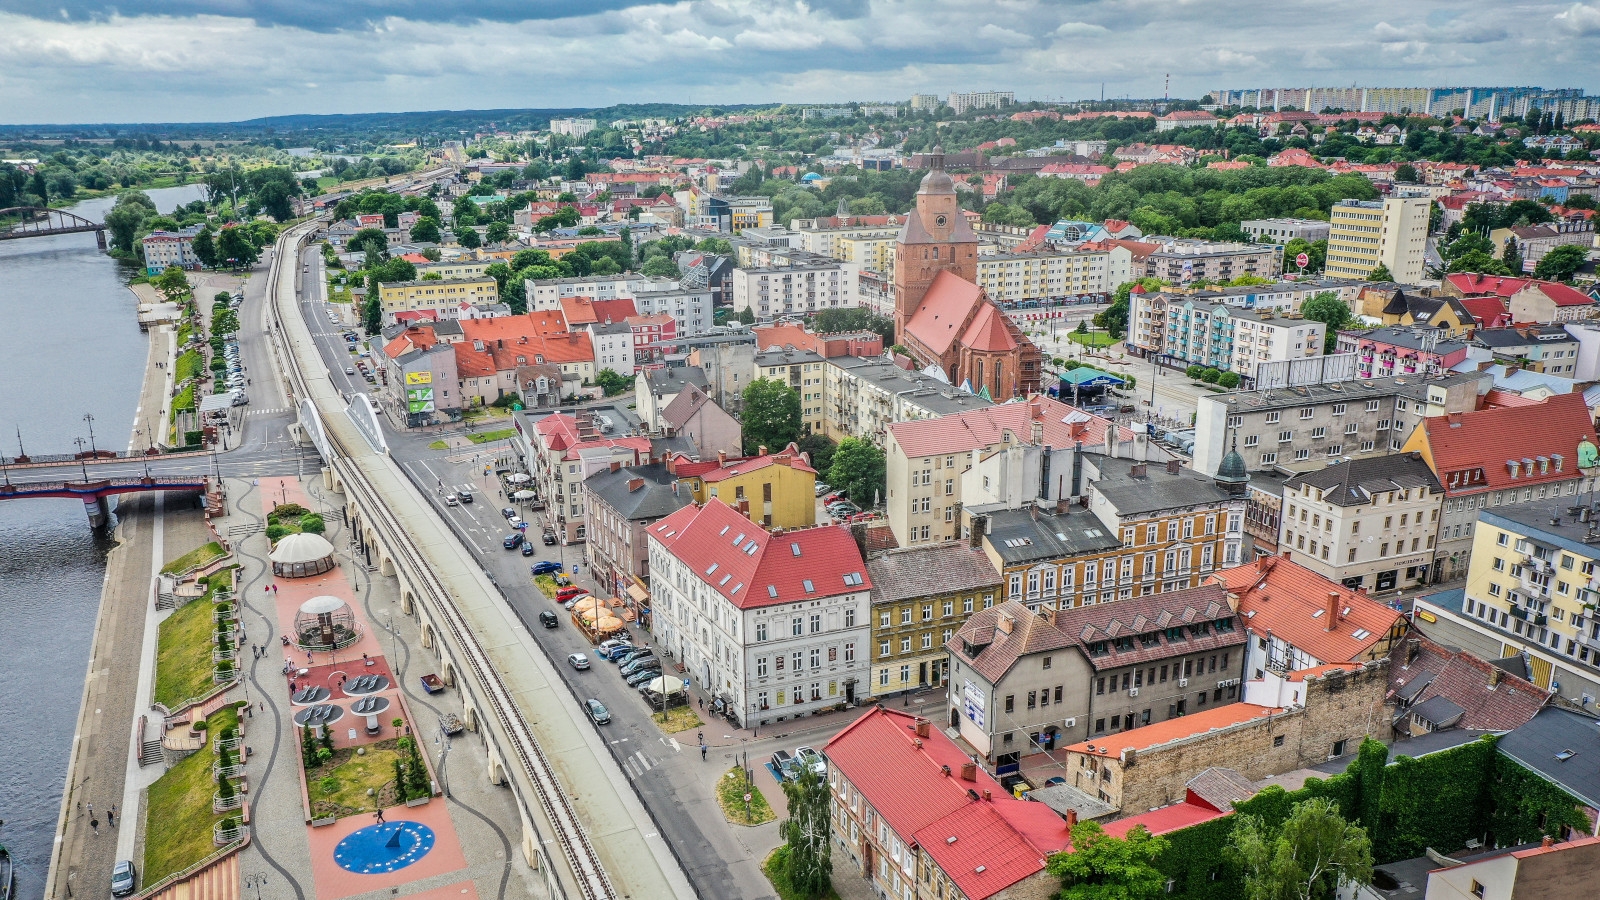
(1480,262)
(1229,380)
(860,471)
(205,247)
(125,217)
(1102,867)
(565,217)
(612,383)
(771,415)
(659,267)
(497,233)
(1560,263)
(1381,273)
(1211,376)
(171,283)
(1331,311)
(1306,858)
(235,247)
(1406,173)
(808,864)
(717,246)
(468,237)
(426,230)
(371,241)
(273,198)
(1512,256)
(820,448)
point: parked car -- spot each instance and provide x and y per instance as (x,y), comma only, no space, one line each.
(823,487)
(508,512)
(643,677)
(549,539)
(528,548)
(597,711)
(810,757)
(572,601)
(123,878)
(635,652)
(549,619)
(785,765)
(349,370)
(640,664)
(568,593)
(578,661)
(548,567)
(833,498)
(512,541)
(842,510)
(515,522)
(614,647)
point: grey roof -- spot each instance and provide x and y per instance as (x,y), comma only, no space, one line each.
(1354,482)
(1409,875)
(786,357)
(1539,744)
(1415,386)
(1157,489)
(1523,336)
(1023,536)
(1064,798)
(673,379)
(1410,338)
(1222,787)
(447,327)
(1441,712)
(931,394)
(1412,688)
(653,499)
(930,569)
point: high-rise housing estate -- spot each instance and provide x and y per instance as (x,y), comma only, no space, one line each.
(925,102)
(572,127)
(960,103)
(1492,103)
(1364,233)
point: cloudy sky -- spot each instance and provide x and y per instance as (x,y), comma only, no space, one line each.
(224,60)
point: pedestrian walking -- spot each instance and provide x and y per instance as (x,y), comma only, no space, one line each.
(91,809)
(378,816)
(702,752)
(95,824)
(111,818)
(700,736)
(702,702)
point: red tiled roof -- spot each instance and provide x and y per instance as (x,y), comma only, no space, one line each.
(763,569)
(1197,723)
(1487,438)
(1166,819)
(1488,312)
(1470,283)
(1281,596)
(472,363)
(988,331)
(746,466)
(903,778)
(944,308)
(559,431)
(1491,699)
(982,427)
(1562,295)
(1499,397)
(408,340)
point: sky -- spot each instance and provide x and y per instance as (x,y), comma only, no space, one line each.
(75,61)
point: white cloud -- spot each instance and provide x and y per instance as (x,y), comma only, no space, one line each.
(1581,19)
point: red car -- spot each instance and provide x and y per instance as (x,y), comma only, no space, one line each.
(834,498)
(568,593)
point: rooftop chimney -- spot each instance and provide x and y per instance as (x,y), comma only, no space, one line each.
(615,465)
(1137,470)
(1333,610)
(634,484)
(722,457)
(1548,840)
(1173,466)
(761,450)
(922,727)
(987,795)
(1072,819)
(969,771)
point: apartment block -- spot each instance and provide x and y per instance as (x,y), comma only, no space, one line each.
(687,304)
(1381,352)
(1087,269)
(806,373)
(864,395)
(1179,330)
(920,596)
(1181,260)
(435,296)
(1282,231)
(961,102)
(1368,523)
(795,290)
(1364,234)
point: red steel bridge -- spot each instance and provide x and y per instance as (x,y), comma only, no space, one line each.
(95,493)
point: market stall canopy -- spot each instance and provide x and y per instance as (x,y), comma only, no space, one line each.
(518,478)
(524,495)
(664,685)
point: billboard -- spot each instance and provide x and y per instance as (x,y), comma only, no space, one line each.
(419,399)
(972,702)
(419,378)
(1287,373)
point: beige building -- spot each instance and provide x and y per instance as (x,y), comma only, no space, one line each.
(795,290)
(864,395)
(806,373)
(1364,234)
(1367,523)
(873,251)
(434,295)
(1012,277)
(456,268)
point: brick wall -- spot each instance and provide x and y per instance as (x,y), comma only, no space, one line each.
(1339,707)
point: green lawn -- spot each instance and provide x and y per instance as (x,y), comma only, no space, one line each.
(353,776)
(183,654)
(439,445)
(731,788)
(199,556)
(180,801)
(484,437)
(546,585)
(676,719)
(1092,339)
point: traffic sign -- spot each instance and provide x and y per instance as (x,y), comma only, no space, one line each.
(1302,260)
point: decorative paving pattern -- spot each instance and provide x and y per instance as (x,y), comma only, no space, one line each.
(383,848)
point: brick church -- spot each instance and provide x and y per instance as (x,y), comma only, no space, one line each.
(940,314)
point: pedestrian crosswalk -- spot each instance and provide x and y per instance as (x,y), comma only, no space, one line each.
(267,412)
(637,764)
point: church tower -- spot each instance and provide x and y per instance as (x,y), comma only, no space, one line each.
(936,236)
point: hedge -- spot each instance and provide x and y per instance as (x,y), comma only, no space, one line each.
(1440,801)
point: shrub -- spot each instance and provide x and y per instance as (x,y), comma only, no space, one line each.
(275,532)
(287,511)
(1194,371)
(329,784)
(398,722)
(225,788)
(311,522)
(1229,380)
(323,755)
(1210,376)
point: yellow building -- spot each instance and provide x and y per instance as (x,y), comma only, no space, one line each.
(920,596)
(804,371)
(874,252)
(1013,277)
(435,295)
(776,490)
(1363,234)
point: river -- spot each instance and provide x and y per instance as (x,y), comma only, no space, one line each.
(76,350)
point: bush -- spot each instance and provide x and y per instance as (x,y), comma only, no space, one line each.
(323,755)
(1210,376)
(312,522)
(329,784)
(1194,371)
(287,511)
(275,532)
(1229,380)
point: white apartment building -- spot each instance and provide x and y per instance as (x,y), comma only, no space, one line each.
(1365,523)
(572,127)
(864,395)
(1282,231)
(1182,330)
(1366,233)
(795,290)
(690,307)
(1013,277)
(773,624)
(808,235)
(613,347)
(961,102)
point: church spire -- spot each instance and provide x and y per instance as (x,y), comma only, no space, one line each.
(937,164)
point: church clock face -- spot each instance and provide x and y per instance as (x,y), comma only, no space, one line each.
(939,221)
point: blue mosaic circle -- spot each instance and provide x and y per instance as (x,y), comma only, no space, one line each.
(377,849)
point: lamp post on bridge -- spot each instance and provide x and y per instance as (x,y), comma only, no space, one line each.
(81,464)
(89,417)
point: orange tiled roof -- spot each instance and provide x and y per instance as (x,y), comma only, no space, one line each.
(1191,725)
(1281,596)
(1487,438)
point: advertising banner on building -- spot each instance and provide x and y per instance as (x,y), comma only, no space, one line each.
(972,702)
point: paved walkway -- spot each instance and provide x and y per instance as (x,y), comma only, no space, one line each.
(476,828)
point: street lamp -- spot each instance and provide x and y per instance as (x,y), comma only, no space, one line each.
(255,880)
(81,464)
(89,417)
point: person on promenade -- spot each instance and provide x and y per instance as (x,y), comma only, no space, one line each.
(95,824)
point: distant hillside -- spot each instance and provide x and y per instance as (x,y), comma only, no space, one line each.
(434,122)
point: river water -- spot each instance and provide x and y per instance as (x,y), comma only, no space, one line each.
(75,349)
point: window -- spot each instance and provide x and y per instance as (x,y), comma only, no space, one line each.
(1477,888)
(1252,440)
(1272,418)
(797,627)
(1011,703)
(816,623)
(761,631)
(850,617)
(1319,433)
(1285,437)
(1338,409)
(1307,412)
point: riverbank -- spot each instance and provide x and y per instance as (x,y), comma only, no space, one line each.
(103,764)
